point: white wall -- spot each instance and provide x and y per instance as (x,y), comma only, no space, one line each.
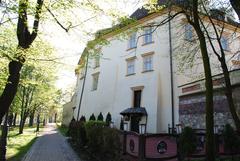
(114,93)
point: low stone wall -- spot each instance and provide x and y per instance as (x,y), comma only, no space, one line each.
(192,109)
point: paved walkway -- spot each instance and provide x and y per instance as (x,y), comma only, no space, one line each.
(51,146)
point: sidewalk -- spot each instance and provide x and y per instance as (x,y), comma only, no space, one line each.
(51,146)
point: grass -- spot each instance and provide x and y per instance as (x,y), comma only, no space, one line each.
(18,145)
(62,129)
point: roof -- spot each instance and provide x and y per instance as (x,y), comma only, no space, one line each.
(134,110)
(143,12)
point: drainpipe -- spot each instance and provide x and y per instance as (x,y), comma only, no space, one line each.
(171,70)
(83,86)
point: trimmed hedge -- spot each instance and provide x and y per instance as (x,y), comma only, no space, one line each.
(103,142)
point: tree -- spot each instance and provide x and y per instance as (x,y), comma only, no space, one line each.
(217,35)
(25,39)
(100,117)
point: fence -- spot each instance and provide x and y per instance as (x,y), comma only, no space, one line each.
(153,147)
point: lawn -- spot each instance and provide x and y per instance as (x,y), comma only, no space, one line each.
(18,145)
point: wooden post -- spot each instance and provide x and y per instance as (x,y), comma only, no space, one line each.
(141,151)
(124,142)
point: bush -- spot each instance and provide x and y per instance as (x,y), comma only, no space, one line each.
(71,128)
(187,142)
(103,141)
(231,139)
(108,119)
(100,117)
(92,118)
(83,119)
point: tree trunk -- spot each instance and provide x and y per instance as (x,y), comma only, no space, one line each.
(31,119)
(228,93)
(15,119)
(55,118)
(210,140)
(22,123)
(3,141)
(10,119)
(236,6)
(38,122)
(10,89)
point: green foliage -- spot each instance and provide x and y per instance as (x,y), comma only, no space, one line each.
(83,119)
(100,117)
(231,139)
(92,118)
(72,129)
(106,144)
(187,142)
(108,119)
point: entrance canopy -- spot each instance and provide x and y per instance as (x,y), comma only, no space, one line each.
(134,111)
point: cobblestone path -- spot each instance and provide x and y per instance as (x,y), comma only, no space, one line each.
(51,146)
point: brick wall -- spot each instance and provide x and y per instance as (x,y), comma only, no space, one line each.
(192,109)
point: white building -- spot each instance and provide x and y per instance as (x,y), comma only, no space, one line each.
(133,76)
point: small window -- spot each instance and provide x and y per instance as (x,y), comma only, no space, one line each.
(97,61)
(188,32)
(130,66)
(132,41)
(95,81)
(224,43)
(148,35)
(82,73)
(148,63)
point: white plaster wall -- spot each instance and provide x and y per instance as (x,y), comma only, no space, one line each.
(114,92)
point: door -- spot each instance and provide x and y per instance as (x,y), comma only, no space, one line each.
(135,123)
(137,98)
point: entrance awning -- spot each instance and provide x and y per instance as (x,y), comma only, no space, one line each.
(134,111)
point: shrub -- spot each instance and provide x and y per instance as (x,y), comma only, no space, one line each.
(103,141)
(108,119)
(71,128)
(83,119)
(100,117)
(187,142)
(92,118)
(81,137)
(231,139)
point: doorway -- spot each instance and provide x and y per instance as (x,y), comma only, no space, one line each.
(137,98)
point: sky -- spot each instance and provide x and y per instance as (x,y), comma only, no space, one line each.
(69,45)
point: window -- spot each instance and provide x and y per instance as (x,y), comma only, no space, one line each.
(188,32)
(97,61)
(147,63)
(132,41)
(95,81)
(148,35)
(130,66)
(224,43)
(82,73)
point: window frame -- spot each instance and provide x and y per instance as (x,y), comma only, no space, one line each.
(148,35)
(144,57)
(188,29)
(132,41)
(95,81)
(128,61)
(224,39)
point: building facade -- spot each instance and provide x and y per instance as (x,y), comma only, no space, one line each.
(143,78)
